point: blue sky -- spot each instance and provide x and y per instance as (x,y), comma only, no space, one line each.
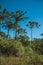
(34,10)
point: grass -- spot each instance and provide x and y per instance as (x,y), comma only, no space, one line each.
(25,60)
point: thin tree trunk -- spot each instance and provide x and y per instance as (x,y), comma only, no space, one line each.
(15,30)
(15,34)
(0,29)
(8,34)
(31,37)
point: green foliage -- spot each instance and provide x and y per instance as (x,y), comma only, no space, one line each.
(25,40)
(7,47)
(28,50)
(11,47)
(17,52)
(37,46)
(19,46)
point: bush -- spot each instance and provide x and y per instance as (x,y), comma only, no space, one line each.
(19,47)
(28,51)
(37,46)
(11,47)
(7,48)
(24,40)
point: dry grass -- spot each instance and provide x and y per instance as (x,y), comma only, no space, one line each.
(25,60)
(13,60)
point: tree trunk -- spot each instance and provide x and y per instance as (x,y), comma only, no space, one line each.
(8,34)
(15,34)
(31,37)
(16,29)
(0,29)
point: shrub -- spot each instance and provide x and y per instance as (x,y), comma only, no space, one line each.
(7,48)
(28,51)
(37,46)
(11,47)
